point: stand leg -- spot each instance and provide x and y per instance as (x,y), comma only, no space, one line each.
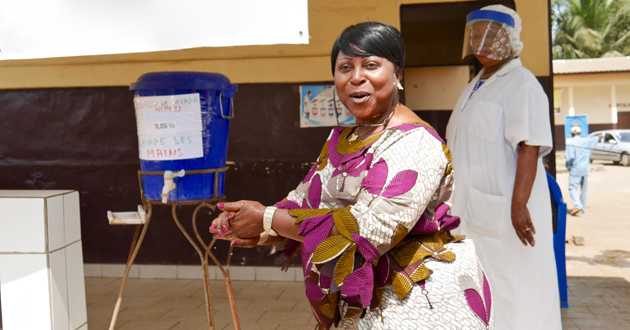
(204,264)
(135,247)
(206,286)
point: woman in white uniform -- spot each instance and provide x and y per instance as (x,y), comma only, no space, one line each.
(498,133)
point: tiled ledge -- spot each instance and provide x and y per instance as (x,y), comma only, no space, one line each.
(237,273)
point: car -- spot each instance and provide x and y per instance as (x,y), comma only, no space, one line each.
(613,145)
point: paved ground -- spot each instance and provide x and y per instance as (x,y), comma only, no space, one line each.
(605,226)
(158,304)
(599,294)
(599,279)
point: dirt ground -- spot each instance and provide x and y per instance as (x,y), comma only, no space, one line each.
(605,226)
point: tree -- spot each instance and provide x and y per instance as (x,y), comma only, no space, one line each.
(590,28)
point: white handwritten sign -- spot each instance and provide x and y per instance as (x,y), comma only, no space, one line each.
(169,127)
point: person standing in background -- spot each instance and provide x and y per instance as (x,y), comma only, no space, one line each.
(578,163)
(498,133)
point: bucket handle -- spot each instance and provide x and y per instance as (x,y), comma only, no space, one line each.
(231,107)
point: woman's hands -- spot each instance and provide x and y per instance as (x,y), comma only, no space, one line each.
(522,222)
(240,222)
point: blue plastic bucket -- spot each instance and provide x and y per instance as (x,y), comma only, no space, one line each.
(183,123)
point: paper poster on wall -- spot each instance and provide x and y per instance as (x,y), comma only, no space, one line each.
(317,107)
(169,127)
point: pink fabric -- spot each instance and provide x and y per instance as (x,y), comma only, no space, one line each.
(317,232)
(325,281)
(310,174)
(487,296)
(367,250)
(287,205)
(401,183)
(360,283)
(355,166)
(314,292)
(376,177)
(476,304)
(315,192)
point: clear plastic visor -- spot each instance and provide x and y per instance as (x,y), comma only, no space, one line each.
(487,38)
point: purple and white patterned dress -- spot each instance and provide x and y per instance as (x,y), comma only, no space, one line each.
(394,263)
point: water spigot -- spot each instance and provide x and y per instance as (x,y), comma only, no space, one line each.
(169,184)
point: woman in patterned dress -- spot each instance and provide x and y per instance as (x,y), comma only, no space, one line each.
(370,219)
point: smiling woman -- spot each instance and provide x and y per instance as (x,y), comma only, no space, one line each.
(370,219)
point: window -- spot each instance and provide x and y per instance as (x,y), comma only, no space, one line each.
(557,100)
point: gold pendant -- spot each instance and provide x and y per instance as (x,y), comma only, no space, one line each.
(353,137)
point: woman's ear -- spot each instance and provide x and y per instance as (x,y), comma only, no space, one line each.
(399,76)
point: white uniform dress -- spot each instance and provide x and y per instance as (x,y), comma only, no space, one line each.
(483,134)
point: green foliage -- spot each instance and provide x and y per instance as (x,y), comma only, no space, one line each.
(590,28)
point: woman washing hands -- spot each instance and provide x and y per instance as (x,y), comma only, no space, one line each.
(370,219)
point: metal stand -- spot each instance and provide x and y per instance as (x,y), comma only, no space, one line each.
(203,255)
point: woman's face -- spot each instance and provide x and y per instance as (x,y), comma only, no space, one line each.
(365,85)
(490,42)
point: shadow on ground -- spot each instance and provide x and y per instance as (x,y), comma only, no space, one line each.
(615,258)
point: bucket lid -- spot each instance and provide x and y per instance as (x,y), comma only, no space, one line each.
(185,80)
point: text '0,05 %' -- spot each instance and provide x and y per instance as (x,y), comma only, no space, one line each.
(164,125)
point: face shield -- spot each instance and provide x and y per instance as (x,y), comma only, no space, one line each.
(488,34)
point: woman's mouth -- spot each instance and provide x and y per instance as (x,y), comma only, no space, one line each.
(359,97)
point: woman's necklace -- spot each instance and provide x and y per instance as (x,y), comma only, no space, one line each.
(354,136)
(486,76)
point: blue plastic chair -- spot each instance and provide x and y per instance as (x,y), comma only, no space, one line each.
(559,238)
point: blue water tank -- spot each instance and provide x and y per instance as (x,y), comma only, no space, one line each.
(183,123)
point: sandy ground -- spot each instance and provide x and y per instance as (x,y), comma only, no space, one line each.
(605,226)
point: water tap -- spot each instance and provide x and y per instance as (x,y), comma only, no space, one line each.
(169,184)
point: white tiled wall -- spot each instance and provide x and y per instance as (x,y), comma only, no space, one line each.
(76,287)
(238,273)
(71,217)
(41,261)
(22,228)
(56,231)
(25,291)
(59,289)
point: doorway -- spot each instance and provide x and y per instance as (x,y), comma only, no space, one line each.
(435,73)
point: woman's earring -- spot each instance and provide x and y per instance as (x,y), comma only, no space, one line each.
(400,87)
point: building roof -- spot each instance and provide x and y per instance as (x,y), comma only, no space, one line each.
(608,64)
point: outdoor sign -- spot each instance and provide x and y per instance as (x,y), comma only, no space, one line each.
(318,107)
(169,127)
(580,121)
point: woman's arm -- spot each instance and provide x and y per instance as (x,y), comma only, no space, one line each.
(248,224)
(525,175)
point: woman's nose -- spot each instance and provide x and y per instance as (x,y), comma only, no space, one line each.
(358,76)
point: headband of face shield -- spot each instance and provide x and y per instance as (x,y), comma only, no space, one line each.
(487,34)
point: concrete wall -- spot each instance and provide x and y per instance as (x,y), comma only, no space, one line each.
(592,97)
(257,64)
(68,123)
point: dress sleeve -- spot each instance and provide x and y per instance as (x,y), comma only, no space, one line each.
(527,118)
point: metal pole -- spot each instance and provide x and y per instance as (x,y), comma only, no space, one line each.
(135,247)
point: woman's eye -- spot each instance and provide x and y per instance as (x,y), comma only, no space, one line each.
(344,67)
(371,65)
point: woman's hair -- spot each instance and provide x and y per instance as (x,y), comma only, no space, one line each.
(370,39)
